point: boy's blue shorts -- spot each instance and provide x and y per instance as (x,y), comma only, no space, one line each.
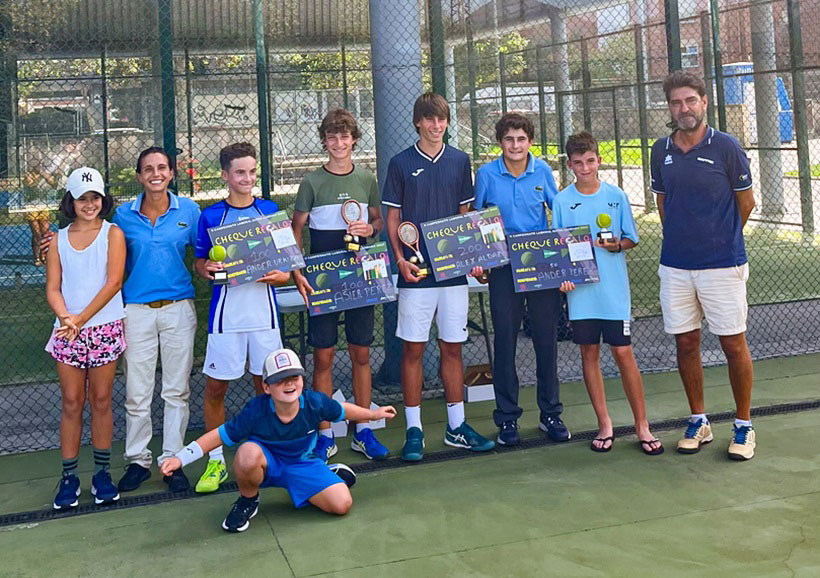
(303,479)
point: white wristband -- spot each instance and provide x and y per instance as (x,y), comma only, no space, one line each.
(190,453)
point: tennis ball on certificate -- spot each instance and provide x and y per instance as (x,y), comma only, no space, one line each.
(443,246)
(322,280)
(232,250)
(527,258)
(217,253)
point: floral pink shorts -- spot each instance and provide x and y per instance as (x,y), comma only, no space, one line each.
(94,347)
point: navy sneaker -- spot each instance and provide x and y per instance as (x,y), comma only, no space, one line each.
(239,518)
(177,481)
(366,443)
(135,474)
(103,488)
(508,434)
(555,428)
(348,476)
(413,449)
(325,448)
(68,493)
(466,437)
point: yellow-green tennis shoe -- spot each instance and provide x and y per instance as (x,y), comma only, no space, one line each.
(214,475)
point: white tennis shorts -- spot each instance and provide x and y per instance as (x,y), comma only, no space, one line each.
(417,306)
(227,353)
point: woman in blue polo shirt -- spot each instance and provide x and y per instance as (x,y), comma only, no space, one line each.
(160,316)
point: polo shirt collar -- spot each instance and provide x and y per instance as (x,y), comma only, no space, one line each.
(706,140)
(273,407)
(429,158)
(502,166)
(137,204)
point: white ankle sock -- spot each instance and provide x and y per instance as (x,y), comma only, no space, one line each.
(216,454)
(743,422)
(455,414)
(413,416)
(328,433)
(361,426)
(696,416)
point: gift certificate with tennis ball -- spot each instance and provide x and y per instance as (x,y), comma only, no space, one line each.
(252,248)
(457,244)
(545,259)
(347,280)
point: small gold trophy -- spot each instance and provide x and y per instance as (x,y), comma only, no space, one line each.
(352,211)
(218,254)
(409,235)
(605,236)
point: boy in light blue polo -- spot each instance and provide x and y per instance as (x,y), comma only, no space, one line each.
(603,309)
(522,187)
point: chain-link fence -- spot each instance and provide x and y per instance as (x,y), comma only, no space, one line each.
(96,81)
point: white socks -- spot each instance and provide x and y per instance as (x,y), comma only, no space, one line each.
(696,416)
(216,454)
(413,416)
(328,433)
(455,414)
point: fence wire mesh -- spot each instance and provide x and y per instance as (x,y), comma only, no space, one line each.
(96,81)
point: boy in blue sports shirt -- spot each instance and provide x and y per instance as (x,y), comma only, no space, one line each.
(280,427)
(603,309)
(243,320)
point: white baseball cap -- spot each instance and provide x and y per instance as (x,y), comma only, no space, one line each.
(85,179)
(281,364)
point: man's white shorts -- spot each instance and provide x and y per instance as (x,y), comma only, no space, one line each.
(227,353)
(418,305)
(717,294)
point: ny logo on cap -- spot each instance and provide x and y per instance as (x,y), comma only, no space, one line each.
(282,360)
(86,177)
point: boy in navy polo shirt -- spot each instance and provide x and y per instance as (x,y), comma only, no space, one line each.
(704,193)
(243,320)
(427,181)
(280,427)
(603,310)
(522,187)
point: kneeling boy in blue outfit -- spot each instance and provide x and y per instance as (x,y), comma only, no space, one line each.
(280,427)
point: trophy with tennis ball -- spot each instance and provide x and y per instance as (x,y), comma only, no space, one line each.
(352,211)
(218,254)
(409,236)
(605,235)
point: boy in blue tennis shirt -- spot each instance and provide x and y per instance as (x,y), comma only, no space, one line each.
(603,309)
(243,320)
(280,427)
(522,187)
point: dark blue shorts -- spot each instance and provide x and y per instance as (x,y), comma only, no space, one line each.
(590,332)
(323,330)
(303,479)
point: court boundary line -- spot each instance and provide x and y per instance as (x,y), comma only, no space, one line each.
(44,515)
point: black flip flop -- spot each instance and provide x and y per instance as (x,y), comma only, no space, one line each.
(655,452)
(604,449)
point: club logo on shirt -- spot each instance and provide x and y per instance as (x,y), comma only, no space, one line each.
(667,160)
(417,172)
(539,188)
(614,205)
(182,224)
(743,177)
(703,160)
(575,206)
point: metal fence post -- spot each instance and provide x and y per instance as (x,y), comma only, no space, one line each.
(643,119)
(708,76)
(168,91)
(437,47)
(799,108)
(718,60)
(471,76)
(104,101)
(262,95)
(617,129)
(345,97)
(673,56)
(542,105)
(502,64)
(190,123)
(587,83)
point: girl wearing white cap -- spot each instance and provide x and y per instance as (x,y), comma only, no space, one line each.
(84,272)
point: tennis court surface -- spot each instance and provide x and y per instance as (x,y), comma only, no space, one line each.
(545,510)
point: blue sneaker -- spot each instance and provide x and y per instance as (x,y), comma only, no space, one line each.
(508,433)
(466,437)
(325,448)
(366,443)
(103,488)
(68,493)
(413,450)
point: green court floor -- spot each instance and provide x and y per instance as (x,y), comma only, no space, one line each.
(555,510)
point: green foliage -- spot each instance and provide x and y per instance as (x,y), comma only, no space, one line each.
(485,56)
(610,58)
(323,70)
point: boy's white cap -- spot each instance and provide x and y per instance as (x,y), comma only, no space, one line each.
(85,179)
(281,364)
